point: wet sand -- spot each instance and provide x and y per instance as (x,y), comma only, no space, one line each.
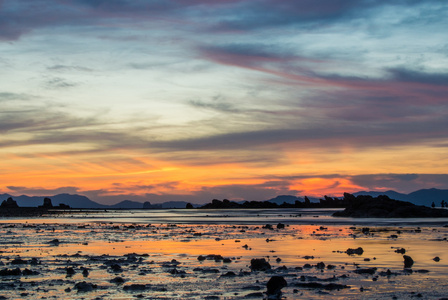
(81,259)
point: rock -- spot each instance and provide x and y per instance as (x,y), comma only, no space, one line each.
(177,272)
(259,264)
(18,261)
(320,265)
(436,259)
(280,226)
(215,257)
(117,280)
(116,268)
(408,261)
(63,206)
(229,274)
(70,271)
(28,272)
(365,230)
(47,203)
(54,242)
(85,286)
(9,203)
(85,272)
(369,271)
(268,226)
(10,272)
(358,251)
(401,250)
(275,284)
(134,287)
(209,271)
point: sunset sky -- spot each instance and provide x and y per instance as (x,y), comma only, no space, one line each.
(192,100)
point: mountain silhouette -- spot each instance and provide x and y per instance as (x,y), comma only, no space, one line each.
(421,197)
(72,200)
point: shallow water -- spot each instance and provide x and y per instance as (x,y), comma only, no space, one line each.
(164,247)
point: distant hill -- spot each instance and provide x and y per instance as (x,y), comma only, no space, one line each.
(127,204)
(285,199)
(289,199)
(74,201)
(176,204)
(78,201)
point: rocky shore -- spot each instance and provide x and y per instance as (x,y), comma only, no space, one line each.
(113,260)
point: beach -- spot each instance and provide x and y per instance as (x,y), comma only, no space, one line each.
(196,254)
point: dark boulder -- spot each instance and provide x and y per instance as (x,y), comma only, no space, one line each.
(18,261)
(259,264)
(70,271)
(54,242)
(320,265)
(9,203)
(10,272)
(229,274)
(85,272)
(368,271)
(135,287)
(85,286)
(47,203)
(358,251)
(117,280)
(27,272)
(275,284)
(408,261)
